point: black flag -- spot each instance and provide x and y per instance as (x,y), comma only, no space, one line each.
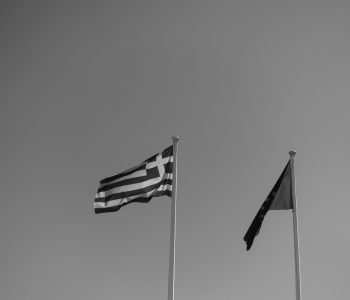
(280,198)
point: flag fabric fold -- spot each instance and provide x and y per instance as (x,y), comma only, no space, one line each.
(280,198)
(151,178)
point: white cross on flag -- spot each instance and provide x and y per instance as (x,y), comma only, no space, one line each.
(152,178)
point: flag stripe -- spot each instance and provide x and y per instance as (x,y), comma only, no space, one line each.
(161,188)
(99,210)
(149,174)
(136,186)
(130,188)
(137,173)
(136,177)
(125,173)
(132,192)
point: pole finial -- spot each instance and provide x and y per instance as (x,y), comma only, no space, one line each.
(292,153)
(175,138)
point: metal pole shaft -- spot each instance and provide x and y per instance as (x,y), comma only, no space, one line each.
(171,277)
(295,229)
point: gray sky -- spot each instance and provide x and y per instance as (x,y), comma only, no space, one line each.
(90,88)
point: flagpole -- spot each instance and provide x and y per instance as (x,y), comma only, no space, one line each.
(171,277)
(295,227)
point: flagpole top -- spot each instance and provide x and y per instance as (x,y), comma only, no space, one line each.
(175,139)
(292,153)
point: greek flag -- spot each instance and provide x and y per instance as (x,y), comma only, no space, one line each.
(151,178)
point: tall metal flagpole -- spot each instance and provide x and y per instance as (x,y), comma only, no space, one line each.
(295,227)
(171,278)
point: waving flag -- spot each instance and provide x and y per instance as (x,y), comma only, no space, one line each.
(151,178)
(280,198)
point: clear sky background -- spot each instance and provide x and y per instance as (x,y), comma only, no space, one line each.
(91,88)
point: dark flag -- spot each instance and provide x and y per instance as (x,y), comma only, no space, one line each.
(151,178)
(280,198)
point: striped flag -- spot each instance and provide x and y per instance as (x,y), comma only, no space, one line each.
(151,178)
(280,198)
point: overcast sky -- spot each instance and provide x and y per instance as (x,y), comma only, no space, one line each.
(91,88)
